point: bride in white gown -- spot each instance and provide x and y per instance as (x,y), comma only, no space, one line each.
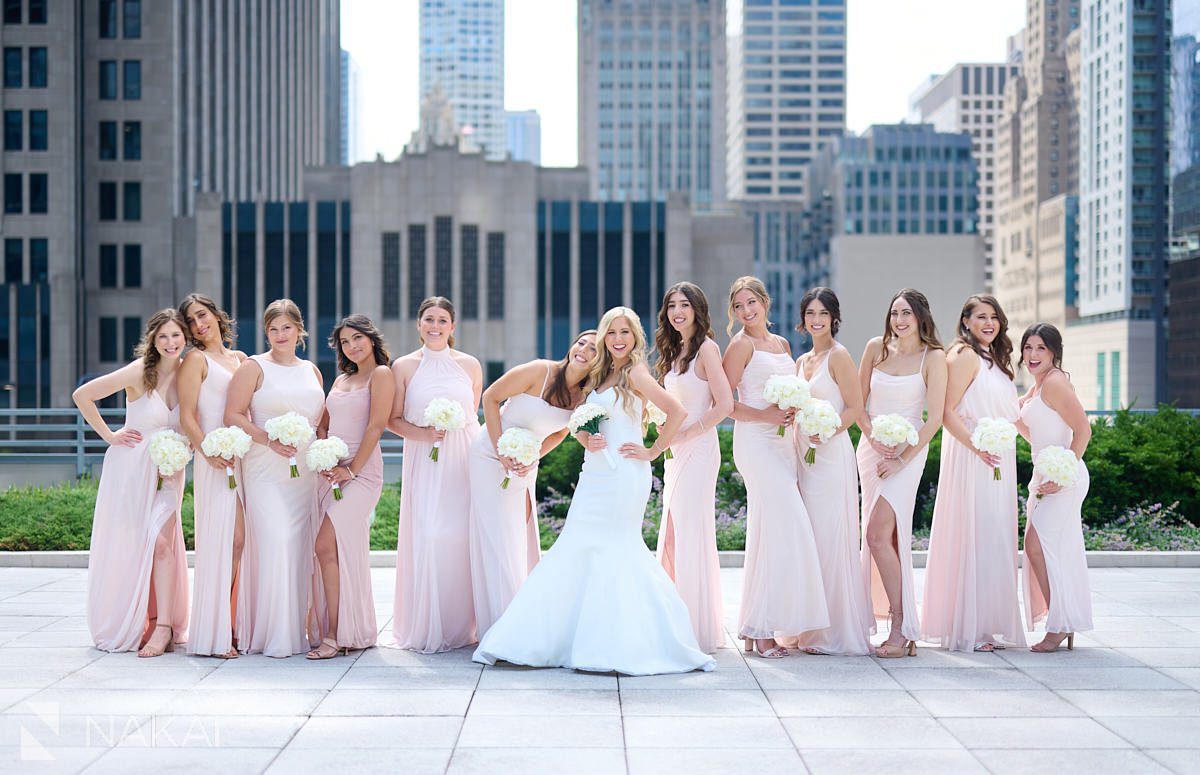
(598,600)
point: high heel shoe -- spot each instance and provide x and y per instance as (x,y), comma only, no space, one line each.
(322,652)
(148,651)
(1069,639)
(887,650)
(775,652)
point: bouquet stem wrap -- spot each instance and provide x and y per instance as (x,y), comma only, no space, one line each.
(587,418)
(229,476)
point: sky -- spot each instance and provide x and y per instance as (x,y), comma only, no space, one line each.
(892,48)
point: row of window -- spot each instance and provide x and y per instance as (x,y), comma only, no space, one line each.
(131,140)
(131,70)
(130,22)
(14,193)
(13,12)
(14,67)
(14,260)
(443,274)
(110,347)
(14,130)
(131,277)
(131,201)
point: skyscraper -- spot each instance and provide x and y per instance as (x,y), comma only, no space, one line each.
(787,93)
(462,48)
(350,122)
(1185,103)
(652,98)
(523,135)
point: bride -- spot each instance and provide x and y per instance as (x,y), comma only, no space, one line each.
(598,600)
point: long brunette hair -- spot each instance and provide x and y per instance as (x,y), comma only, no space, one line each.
(225,323)
(669,342)
(440,302)
(147,352)
(558,394)
(363,325)
(926,329)
(1052,339)
(999,353)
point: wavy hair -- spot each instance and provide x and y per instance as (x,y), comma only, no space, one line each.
(999,353)
(829,300)
(1052,338)
(669,342)
(440,302)
(363,325)
(558,394)
(286,308)
(755,286)
(225,323)
(926,328)
(603,365)
(147,352)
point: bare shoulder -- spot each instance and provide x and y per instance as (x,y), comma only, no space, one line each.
(782,341)
(840,356)
(1057,383)
(193,360)
(710,346)
(241,356)
(958,354)
(405,365)
(740,346)
(938,357)
(468,362)
(317,371)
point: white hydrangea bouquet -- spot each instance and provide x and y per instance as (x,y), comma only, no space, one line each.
(228,443)
(169,451)
(818,418)
(325,455)
(787,391)
(291,429)
(657,418)
(995,436)
(444,415)
(521,445)
(588,418)
(892,430)
(1058,465)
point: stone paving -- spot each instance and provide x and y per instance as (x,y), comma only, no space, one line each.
(1125,700)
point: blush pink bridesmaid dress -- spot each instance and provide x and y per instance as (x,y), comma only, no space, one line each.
(130,514)
(434,609)
(782,593)
(211,631)
(504,539)
(349,414)
(971,575)
(687,541)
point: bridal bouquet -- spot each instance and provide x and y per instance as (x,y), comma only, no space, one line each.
(291,429)
(995,436)
(657,418)
(169,451)
(787,391)
(325,455)
(226,443)
(444,415)
(818,418)
(893,430)
(521,445)
(588,418)
(1058,465)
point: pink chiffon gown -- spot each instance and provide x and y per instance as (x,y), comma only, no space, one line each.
(689,514)
(434,610)
(829,487)
(211,630)
(903,395)
(1056,518)
(782,593)
(349,414)
(971,575)
(505,542)
(130,513)
(277,560)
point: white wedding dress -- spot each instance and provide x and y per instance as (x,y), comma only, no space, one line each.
(598,600)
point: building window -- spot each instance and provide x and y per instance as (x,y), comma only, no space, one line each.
(108,266)
(1114,396)
(469,296)
(133,335)
(14,202)
(416,267)
(133,79)
(39,260)
(133,18)
(14,130)
(39,192)
(133,266)
(133,140)
(39,132)
(391,275)
(37,11)
(14,261)
(108,79)
(37,67)
(1100,374)
(495,275)
(12,68)
(108,339)
(108,18)
(108,201)
(12,11)
(443,272)
(108,140)
(133,200)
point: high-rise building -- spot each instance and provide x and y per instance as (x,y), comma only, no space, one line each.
(970,98)
(116,120)
(1185,103)
(350,148)
(787,93)
(523,131)
(652,98)
(1117,349)
(1183,344)
(462,49)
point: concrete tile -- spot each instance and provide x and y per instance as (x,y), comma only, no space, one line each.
(1080,657)
(1165,657)
(835,761)
(544,678)
(1177,760)
(36,759)
(1135,703)
(1156,732)
(32,677)
(867,732)
(323,679)
(721,678)
(395,702)
(98,702)
(861,675)
(100,676)
(1189,676)
(968,680)
(1032,733)
(384,657)
(214,732)
(551,731)
(1128,678)
(522,761)
(372,761)
(1144,639)
(409,678)
(1093,762)
(690,761)
(933,657)
(42,658)
(704,732)
(381,732)
(49,727)
(121,761)
(541,702)
(831,702)
(996,703)
(244,702)
(694,702)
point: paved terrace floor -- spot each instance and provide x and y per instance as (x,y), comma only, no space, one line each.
(1125,701)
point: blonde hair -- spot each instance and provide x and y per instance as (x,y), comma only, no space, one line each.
(440,302)
(603,364)
(755,286)
(285,308)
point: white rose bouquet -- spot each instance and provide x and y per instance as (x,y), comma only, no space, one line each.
(787,391)
(893,430)
(229,443)
(657,418)
(169,452)
(521,445)
(1058,465)
(588,418)
(325,455)
(995,436)
(818,418)
(444,415)
(291,429)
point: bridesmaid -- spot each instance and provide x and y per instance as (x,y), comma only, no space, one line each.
(1056,574)
(220,526)
(137,567)
(971,577)
(277,565)
(433,609)
(505,544)
(782,594)
(357,410)
(829,485)
(689,366)
(902,372)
